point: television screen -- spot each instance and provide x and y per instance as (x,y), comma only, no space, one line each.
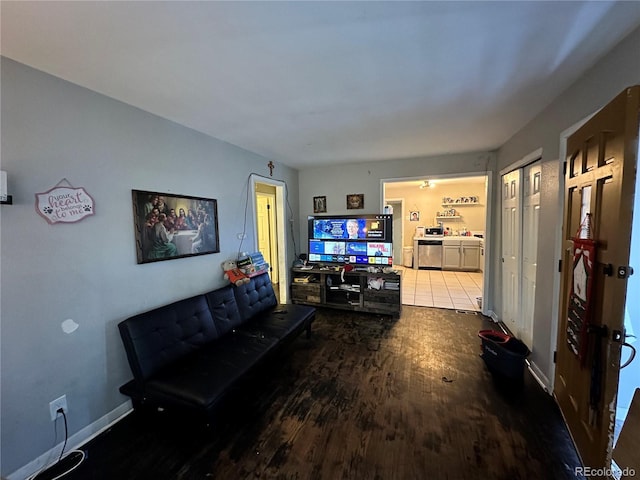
(359,239)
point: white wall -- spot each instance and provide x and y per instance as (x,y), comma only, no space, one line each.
(87,271)
(618,69)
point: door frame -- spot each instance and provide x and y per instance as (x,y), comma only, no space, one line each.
(281,194)
(401,202)
(488,286)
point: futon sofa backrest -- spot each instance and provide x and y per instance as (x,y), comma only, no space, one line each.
(157,338)
(255,297)
(224,309)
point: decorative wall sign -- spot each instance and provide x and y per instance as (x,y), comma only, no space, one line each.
(64,204)
(355,201)
(173,226)
(580,308)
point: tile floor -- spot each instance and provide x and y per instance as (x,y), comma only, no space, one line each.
(435,288)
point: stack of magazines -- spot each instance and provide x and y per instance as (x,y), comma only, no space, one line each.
(392,285)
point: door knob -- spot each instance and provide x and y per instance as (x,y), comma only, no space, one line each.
(624,271)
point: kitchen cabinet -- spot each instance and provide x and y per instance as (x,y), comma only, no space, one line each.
(461,253)
(451,256)
(470,256)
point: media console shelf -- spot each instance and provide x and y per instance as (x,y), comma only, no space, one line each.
(361,291)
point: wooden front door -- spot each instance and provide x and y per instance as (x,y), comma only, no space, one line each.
(600,180)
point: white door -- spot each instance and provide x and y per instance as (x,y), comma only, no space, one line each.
(530,222)
(511,246)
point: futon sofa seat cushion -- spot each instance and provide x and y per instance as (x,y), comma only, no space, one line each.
(202,378)
(278,323)
(193,352)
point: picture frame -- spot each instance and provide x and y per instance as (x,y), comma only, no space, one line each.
(414,216)
(355,201)
(320,204)
(189,227)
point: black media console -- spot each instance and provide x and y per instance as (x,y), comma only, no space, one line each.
(361,290)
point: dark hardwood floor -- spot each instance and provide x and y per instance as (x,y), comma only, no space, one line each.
(367,397)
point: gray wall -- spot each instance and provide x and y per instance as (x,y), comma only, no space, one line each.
(87,271)
(335,182)
(617,70)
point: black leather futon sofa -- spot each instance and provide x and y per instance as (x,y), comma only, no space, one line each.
(191,353)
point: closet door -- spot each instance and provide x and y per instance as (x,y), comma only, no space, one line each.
(530,222)
(511,248)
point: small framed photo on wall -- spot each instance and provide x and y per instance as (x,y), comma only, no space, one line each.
(414,216)
(355,201)
(319,204)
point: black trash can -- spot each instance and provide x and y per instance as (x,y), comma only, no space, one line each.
(503,354)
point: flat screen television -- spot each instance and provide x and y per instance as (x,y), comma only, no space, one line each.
(357,239)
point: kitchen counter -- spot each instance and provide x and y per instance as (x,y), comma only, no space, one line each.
(455,239)
(456,252)
(447,237)
(429,237)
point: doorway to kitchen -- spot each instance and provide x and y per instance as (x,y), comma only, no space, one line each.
(453,211)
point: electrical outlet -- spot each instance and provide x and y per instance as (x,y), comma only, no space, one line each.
(60,402)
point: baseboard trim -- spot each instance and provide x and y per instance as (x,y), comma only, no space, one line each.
(493,316)
(540,377)
(75,441)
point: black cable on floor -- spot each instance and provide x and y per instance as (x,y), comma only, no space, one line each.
(58,470)
(66,433)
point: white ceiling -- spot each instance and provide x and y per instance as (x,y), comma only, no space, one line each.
(309,83)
